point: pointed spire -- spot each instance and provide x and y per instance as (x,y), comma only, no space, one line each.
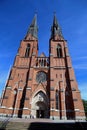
(55,23)
(34,21)
(55,29)
(33,28)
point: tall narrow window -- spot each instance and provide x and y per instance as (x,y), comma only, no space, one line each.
(57,99)
(27,50)
(59,51)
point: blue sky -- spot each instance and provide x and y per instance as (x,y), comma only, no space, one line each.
(15,18)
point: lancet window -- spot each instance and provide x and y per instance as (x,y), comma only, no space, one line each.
(27,50)
(57,99)
(59,51)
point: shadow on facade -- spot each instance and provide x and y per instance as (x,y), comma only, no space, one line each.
(22,103)
(68,97)
(60,126)
(23,98)
(50,126)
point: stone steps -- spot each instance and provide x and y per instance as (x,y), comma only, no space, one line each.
(23,124)
(16,126)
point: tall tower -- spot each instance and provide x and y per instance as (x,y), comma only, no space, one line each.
(17,90)
(65,100)
(40,86)
(27,90)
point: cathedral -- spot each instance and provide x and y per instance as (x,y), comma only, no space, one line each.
(39,86)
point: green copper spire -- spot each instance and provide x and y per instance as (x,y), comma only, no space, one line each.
(33,28)
(55,29)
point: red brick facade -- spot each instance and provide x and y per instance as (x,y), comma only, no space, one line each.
(40,86)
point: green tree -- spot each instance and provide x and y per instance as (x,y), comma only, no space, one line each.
(85,106)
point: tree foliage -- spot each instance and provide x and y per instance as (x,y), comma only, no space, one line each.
(85,106)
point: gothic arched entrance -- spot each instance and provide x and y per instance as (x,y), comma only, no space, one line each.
(40,106)
(41,109)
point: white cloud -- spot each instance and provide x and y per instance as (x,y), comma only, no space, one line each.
(83,89)
(3,78)
(80,62)
(4,55)
(81,66)
(80,58)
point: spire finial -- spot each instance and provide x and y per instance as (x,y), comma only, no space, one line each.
(36,12)
(54,12)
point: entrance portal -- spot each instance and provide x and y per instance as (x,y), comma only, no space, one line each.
(40,114)
(41,111)
(40,107)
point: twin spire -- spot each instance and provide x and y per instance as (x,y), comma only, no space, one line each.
(33,29)
(55,29)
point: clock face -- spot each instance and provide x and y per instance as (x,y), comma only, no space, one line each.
(41,77)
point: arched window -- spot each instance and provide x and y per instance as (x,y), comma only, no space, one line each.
(59,51)
(27,50)
(57,99)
